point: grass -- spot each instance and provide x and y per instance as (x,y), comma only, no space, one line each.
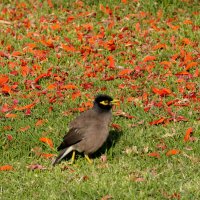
(128,34)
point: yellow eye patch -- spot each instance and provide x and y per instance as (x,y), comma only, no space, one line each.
(105,103)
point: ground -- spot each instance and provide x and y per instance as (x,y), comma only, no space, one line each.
(55,56)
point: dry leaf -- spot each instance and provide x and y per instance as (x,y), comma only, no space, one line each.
(47,141)
(123,114)
(131,150)
(172,152)
(103,158)
(116,126)
(6,168)
(156,122)
(107,197)
(40,122)
(29,106)
(36,166)
(161,146)
(47,155)
(139,179)
(154,154)
(187,134)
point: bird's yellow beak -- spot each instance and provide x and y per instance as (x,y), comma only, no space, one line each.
(115,101)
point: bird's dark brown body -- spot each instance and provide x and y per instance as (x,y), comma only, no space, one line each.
(89,130)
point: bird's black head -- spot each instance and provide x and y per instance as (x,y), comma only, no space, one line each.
(104,102)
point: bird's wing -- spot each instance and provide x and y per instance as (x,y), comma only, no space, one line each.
(73,136)
(78,128)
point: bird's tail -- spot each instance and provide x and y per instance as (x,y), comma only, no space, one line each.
(62,154)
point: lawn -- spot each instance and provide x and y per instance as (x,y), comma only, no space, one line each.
(55,56)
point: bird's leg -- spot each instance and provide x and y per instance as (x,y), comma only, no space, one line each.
(73,157)
(88,159)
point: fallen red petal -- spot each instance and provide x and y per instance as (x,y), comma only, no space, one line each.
(187,134)
(172,152)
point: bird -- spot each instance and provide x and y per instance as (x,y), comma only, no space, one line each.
(88,132)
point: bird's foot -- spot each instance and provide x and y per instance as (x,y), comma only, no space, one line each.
(88,159)
(72,159)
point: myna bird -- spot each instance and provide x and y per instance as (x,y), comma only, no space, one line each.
(89,130)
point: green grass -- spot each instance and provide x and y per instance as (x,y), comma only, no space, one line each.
(129,172)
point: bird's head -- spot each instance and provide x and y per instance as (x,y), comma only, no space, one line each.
(105,102)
